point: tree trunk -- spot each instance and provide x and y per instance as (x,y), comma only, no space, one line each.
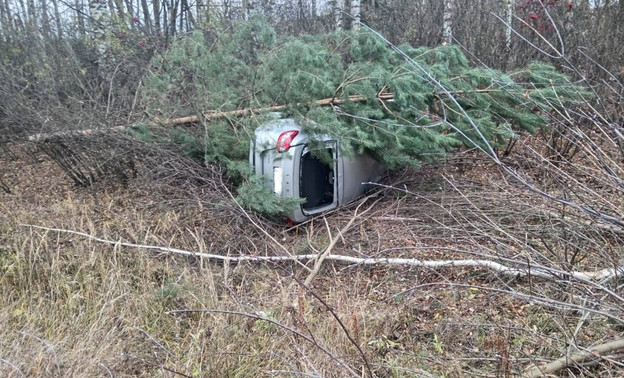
(181,14)
(190,19)
(57,19)
(165,20)
(338,16)
(147,22)
(447,22)
(156,11)
(99,25)
(509,20)
(45,19)
(355,12)
(80,17)
(173,17)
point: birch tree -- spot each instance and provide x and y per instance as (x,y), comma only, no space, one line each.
(99,26)
(338,9)
(447,22)
(508,18)
(355,12)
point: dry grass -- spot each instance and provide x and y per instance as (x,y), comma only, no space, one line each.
(74,307)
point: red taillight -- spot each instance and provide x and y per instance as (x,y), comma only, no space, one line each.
(285,139)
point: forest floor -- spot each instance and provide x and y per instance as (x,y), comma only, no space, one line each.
(72,306)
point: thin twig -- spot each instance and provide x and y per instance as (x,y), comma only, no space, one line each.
(344,329)
(332,242)
(269,320)
(15,368)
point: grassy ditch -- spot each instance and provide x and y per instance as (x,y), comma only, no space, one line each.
(75,307)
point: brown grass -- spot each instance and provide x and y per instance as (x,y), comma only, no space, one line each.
(74,307)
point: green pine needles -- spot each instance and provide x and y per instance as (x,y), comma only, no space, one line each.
(441,102)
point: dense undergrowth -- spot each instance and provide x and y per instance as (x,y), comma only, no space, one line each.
(550,202)
(72,306)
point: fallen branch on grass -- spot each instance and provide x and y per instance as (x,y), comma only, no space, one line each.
(576,358)
(12,366)
(332,242)
(527,270)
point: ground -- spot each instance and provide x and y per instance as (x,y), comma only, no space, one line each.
(72,306)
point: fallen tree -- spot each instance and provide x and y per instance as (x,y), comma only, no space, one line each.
(521,270)
(439,103)
(206,116)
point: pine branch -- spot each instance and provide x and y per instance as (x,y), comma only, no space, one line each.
(214,115)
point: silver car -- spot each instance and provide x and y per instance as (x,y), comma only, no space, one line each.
(282,154)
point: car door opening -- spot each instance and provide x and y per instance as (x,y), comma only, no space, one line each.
(311,168)
(317,181)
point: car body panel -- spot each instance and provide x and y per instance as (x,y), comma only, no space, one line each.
(298,172)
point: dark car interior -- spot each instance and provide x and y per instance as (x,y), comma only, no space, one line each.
(316,183)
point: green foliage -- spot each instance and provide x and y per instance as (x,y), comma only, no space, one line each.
(253,195)
(441,102)
(296,65)
(189,144)
(208,72)
(141,132)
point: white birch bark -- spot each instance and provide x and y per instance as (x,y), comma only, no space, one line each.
(339,7)
(355,12)
(522,270)
(447,23)
(98,10)
(508,19)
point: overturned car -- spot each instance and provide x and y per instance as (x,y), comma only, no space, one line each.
(294,167)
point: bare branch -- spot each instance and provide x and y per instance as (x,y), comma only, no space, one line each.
(522,271)
(576,358)
(319,262)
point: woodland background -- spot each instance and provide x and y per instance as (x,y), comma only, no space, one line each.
(505,263)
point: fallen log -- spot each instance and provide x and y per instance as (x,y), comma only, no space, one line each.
(520,271)
(576,358)
(208,116)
